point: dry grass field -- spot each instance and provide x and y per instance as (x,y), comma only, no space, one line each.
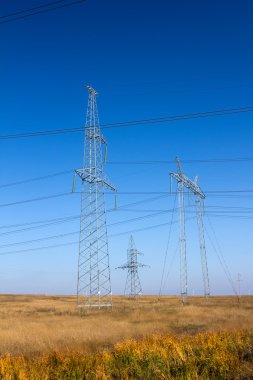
(33,325)
(47,338)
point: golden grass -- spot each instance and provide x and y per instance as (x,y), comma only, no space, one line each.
(35,325)
(205,356)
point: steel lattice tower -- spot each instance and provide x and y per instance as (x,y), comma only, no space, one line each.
(182,183)
(133,285)
(94,284)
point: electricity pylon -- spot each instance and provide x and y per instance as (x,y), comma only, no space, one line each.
(133,285)
(182,183)
(94,283)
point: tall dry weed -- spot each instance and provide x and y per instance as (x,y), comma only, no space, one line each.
(205,356)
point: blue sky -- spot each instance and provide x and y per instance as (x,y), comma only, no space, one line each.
(146,59)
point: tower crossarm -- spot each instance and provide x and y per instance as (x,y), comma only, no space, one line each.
(91,90)
(192,186)
(143,265)
(132,266)
(124,266)
(91,178)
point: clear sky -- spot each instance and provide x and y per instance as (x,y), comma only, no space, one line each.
(147,59)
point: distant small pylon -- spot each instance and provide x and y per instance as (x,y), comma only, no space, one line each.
(133,285)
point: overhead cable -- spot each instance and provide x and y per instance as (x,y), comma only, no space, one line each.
(134,123)
(213,193)
(19,15)
(75,243)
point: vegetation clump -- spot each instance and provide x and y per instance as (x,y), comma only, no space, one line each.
(204,356)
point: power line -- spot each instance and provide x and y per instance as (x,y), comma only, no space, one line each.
(149,162)
(112,235)
(173,192)
(225,209)
(227,214)
(197,115)
(166,162)
(167,248)
(35,199)
(167,119)
(214,193)
(39,239)
(31,9)
(76,232)
(50,222)
(231,196)
(20,14)
(39,222)
(221,257)
(43,225)
(37,249)
(231,216)
(76,242)
(133,192)
(34,179)
(230,207)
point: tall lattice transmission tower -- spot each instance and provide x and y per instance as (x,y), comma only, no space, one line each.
(133,285)
(192,186)
(94,283)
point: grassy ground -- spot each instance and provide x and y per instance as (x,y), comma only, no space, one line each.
(34,325)
(204,356)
